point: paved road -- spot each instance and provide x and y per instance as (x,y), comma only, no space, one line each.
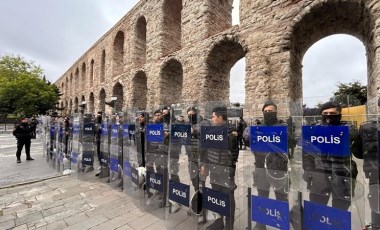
(14,173)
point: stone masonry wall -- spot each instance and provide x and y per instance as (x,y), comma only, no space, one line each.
(184,49)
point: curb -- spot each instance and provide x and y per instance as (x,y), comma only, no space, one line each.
(31,182)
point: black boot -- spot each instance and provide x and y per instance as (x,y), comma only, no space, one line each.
(217,225)
(29,158)
(18,160)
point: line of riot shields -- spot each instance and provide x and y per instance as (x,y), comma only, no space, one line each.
(183,164)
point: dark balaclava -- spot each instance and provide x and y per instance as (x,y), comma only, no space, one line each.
(331,119)
(167,118)
(24,122)
(270,118)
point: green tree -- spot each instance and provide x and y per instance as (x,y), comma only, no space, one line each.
(22,87)
(351,94)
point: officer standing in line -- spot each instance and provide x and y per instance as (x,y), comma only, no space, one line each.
(23,133)
(67,131)
(140,137)
(98,131)
(223,158)
(192,150)
(332,175)
(277,163)
(369,135)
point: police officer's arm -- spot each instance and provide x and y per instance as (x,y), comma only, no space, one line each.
(356,145)
(16,130)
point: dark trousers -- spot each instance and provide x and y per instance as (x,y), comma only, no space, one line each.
(20,145)
(231,193)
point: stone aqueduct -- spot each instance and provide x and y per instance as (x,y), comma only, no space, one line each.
(167,51)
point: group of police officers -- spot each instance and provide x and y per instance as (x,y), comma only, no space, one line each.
(167,165)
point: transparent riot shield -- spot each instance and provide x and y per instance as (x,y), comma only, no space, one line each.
(52,141)
(332,187)
(104,149)
(75,144)
(87,150)
(369,169)
(60,147)
(156,164)
(64,158)
(134,127)
(45,136)
(116,152)
(272,188)
(183,168)
(219,198)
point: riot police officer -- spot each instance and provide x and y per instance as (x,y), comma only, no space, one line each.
(332,175)
(226,159)
(23,133)
(369,135)
(268,165)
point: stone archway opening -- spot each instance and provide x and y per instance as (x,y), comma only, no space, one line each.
(76,80)
(118,54)
(76,104)
(172,26)
(140,91)
(92,73)
(223,56)
(84,75)
(171,82)
(140,42)
(83,104)
(70,109)
(102,100)
(118,92)
(333,59)
(67,109)
(91,105)
(103,66)
(331,18)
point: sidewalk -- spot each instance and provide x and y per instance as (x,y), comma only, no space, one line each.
(68,203)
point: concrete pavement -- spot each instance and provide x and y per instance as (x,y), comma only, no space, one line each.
(35,196)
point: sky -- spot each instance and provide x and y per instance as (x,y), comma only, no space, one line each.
(55,34)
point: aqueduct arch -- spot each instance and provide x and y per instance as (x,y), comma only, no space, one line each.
(351,19)
(273,37)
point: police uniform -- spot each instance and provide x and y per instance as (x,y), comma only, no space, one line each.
(224,180)
(332,175)
(369,135)
(23,133)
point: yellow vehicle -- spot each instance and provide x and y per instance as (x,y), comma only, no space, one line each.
(355,115)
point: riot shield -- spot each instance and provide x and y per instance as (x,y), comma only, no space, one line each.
(156,165)
(220,185)
(369,170)
(116,152)
(183,167)
(87,150)
(272,189)
(104,148)
(134,154)
(53,142)
(332,188)
(45,136)
(64,158)
(60,147)
(75,143)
